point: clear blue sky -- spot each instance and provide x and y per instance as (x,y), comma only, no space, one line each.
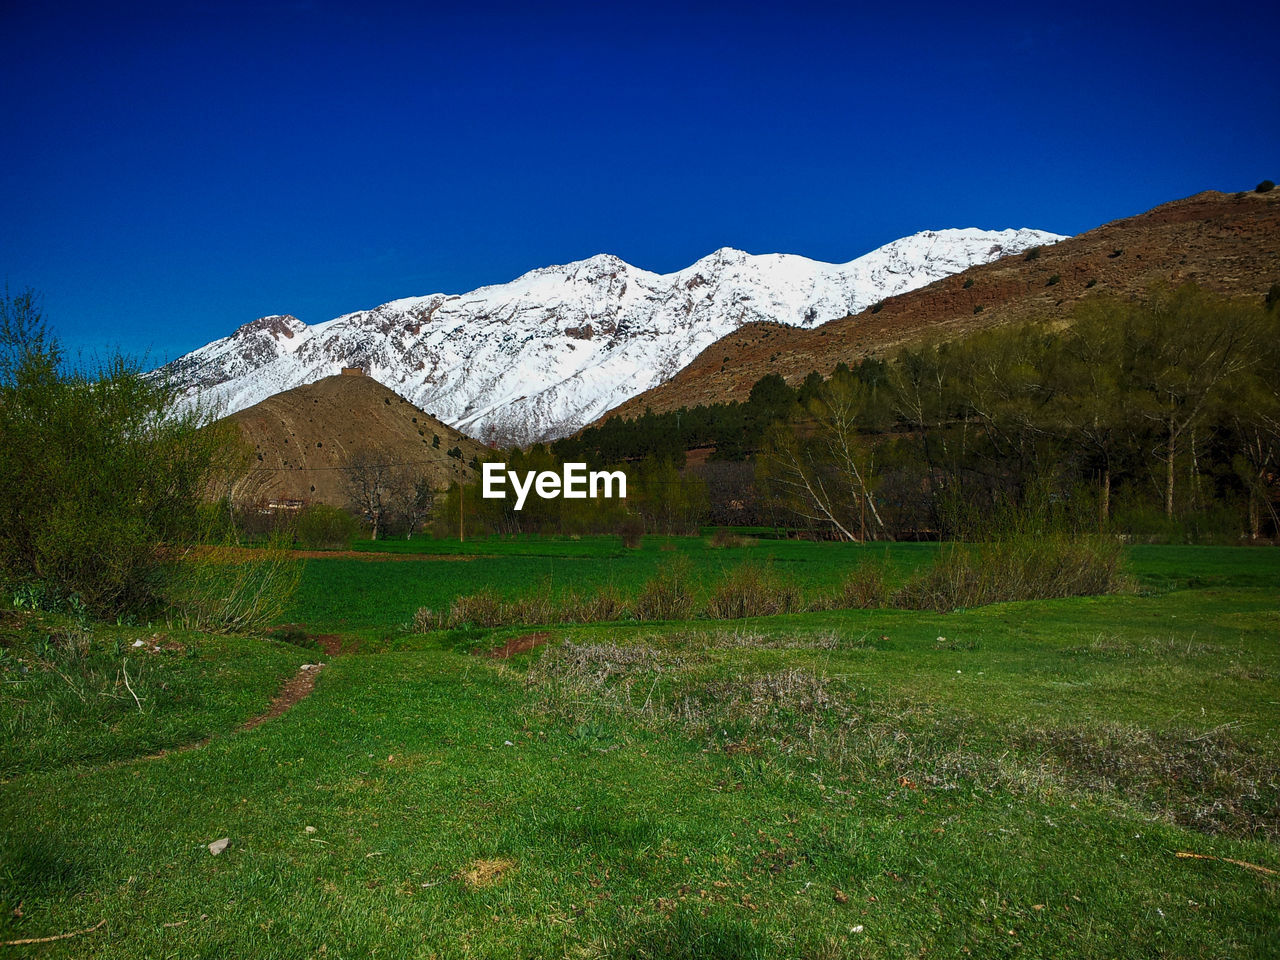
(170,172)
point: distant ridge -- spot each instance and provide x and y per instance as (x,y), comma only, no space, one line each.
(1225,242)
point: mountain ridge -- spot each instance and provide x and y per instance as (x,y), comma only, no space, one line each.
(542,355)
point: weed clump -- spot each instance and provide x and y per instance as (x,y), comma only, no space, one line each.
(724,537)
(1023,568)
(220,593)
(669,595)
(866,588)
(753,591)
(606,604)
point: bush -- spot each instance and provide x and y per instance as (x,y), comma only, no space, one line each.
(968,283)
(1266,186)
(1053,280)
(606,604)
(1023,568)
(631,529)
(231,589)
(668,596)
(752,591)
(97,468)
(865,588)
(322,527)
(483,609)
(1033,253)
(724,537)
(425,620)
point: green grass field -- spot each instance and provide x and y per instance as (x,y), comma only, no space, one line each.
(1012,780)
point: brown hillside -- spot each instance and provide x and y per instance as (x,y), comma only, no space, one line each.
(302,438)
(1224,242)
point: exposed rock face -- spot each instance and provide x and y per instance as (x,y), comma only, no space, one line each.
(539,357)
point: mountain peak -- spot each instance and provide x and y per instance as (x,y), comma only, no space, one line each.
(277,326)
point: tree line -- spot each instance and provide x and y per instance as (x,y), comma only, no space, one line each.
(1159,418)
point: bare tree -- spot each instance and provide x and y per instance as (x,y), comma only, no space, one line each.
(412,497)
(368,484)
(827,476)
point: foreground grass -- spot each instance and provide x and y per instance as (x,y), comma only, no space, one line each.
(1008,781)
(72,693)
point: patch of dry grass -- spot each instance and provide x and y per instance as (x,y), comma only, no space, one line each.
(486,873)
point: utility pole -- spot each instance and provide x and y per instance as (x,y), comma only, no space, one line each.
(460,537)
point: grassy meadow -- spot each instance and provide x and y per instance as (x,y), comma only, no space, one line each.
(1012,780)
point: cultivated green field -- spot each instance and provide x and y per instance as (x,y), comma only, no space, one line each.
(1012,780)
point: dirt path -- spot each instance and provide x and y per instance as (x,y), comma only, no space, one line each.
(521,644)
(296,689)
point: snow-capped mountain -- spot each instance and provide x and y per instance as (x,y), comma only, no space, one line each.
(539,357)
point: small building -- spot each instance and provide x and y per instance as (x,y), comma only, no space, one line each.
(281,505)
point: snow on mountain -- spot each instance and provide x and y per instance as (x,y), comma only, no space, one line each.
(539,357)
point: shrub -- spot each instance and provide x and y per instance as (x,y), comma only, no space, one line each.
(977,309)
(483,609)
(1022,568)
(724,537)
(322,527)
(865,588)
(669,595)
(877,306)
(1052,280)
(425,620)
(1033,253)
(631,530)
(1266,186)
(968,283)
(606,604)
(752,591)
(97,467)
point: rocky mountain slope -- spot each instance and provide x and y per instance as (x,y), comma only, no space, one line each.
(301,440)
(1224,242)
(541,356)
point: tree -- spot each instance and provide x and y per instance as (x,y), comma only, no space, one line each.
(1184,346)
(1088,405)
(827,476)
(368,482)
(1251,405)
(413,498)
(102,474)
